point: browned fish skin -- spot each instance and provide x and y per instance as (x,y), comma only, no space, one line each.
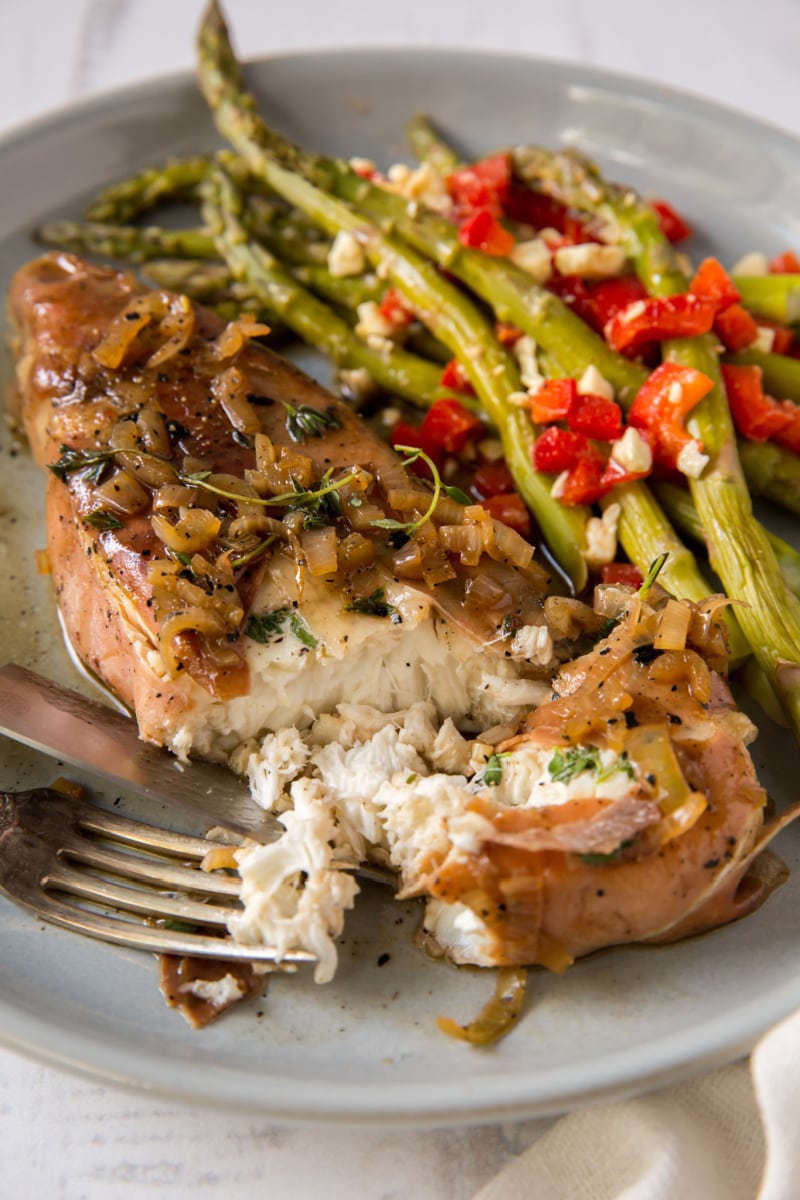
(63,309)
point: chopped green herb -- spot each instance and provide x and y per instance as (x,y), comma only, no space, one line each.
(374,605)
(413,454)
(623,764)
(178,926)
(653,572)
(265,627)
(305,422)
(566,765)
(183,558)
(101,518)
(492,773)
(456,494)
(301,631)
(77,460)
(600,860)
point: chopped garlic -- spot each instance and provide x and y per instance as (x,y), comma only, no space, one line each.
(490,449)
(534,257)
(764,340)
(363,166)
(590,261)
(377,331)
(534,643)
(632,452)
(519,399)
(524,350)
(559,483)
(601,537)
(357,382)
(592,383)
(346,255)
(754,263)
(423,183)
(691,461)
(219,992)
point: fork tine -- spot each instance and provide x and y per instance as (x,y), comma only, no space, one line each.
(147,837)
(149,903)
(159,941)
(160,874)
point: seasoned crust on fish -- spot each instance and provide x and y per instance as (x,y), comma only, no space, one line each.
(95,357)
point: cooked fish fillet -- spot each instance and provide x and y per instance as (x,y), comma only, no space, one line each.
(101,364)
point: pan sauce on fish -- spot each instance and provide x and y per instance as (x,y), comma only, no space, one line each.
(249,568)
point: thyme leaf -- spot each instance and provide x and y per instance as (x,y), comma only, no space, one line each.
(653,572)
(374,605)
(101,518)
(302,632)
(492,773)
(305,422)
(265,627)
(71,460)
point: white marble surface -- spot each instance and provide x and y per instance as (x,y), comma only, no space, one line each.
(68,1139)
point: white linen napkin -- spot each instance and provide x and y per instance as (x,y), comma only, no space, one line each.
(733,1134)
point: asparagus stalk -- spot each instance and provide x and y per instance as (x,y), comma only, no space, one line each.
(776,297)
(677,502)
(392,368)
(123,202)
(773,472)
(129,242)
(429,147)
(738,547)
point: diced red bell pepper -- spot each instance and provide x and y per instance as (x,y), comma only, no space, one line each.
(456,379)
(584,483)
(395,309)
(658,318)
(607,297)
(559,450)
(507,335)
(484,184)
(736,328)
(662,405)
(624,573)
(615,474)
(755,415)
(511,510)
(483,231)
(448,425)
(576,295)
(790,436)
(596,417)
(530,207)
(492,479)
(786,263)
(405,434)
(672,224)
(553,401)
(713,282)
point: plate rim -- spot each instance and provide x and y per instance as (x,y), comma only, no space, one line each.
(28,1033)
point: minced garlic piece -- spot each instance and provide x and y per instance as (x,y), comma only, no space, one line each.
(592,383)
(346,255)
(601,537)
(691,461)
(535,258)
(632,452)
(754,263)
(590,261)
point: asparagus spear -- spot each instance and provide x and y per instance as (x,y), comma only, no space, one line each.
(128,242)
(123,202)
(429,147)
(392,368)
(738,546)
(677,501)
(776,297)
(773,472)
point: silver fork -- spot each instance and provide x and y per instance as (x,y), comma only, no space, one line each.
(56,851)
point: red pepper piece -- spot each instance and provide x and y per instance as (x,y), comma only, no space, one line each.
(614,473)
(492,479)
(786,263)
(624,573)
(755,415)
(790,436)
(553,401)
(576,294)
(662,405)
(404,434)
(482,231)
(736,327)
(534,208)
(596,417)
(713,282)
(658,318)
(448,425)
(507,335)
(584,483)
(484,184)
(456,379)
(394,308)
(511,511)
(559,450)
(673,226)
(607,297)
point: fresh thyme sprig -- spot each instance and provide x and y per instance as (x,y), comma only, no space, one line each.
(305,422)
(411,455)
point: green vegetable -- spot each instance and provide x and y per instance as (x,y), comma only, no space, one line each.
(498,1016)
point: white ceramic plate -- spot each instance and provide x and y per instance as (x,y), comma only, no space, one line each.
(366,1048)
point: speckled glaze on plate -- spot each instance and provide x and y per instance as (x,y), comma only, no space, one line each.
(365,1049)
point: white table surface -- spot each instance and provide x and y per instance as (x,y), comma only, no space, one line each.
(64,1138)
